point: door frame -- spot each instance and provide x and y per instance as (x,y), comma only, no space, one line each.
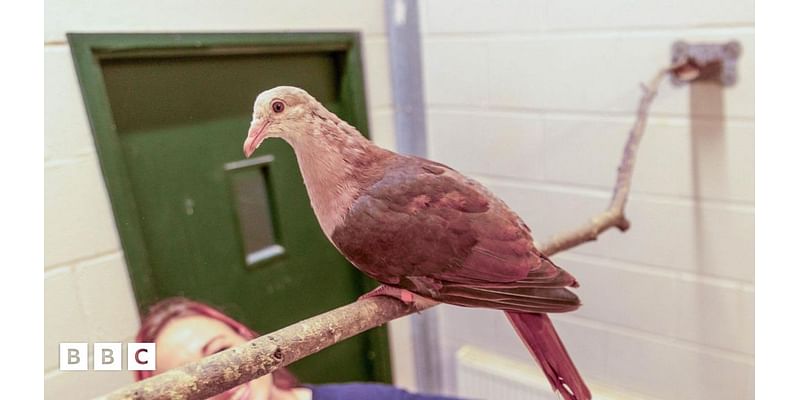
(90,49)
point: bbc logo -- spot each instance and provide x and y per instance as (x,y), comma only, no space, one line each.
(107,356)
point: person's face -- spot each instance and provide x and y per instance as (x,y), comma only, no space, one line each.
(188,339)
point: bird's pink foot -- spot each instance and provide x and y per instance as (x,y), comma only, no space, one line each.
(407,297)
(383,290)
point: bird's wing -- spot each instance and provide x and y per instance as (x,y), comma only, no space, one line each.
(425,227)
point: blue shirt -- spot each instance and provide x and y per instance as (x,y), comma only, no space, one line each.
(366,391)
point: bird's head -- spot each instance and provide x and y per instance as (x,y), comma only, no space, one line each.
(282,111)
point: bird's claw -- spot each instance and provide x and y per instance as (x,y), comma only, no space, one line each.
(408,298)
(383,290)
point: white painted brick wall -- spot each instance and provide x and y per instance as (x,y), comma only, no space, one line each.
(535,99)
(87,290)
(482,136)
(63,16)
(596,70)
(78,220)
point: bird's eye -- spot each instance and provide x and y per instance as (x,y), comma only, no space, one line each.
(278,106)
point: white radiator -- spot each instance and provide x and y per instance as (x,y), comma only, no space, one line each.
(488,376)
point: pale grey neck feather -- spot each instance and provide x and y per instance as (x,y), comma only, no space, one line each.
(326,156)
(330,189)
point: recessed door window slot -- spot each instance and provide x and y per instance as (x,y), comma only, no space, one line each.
(250,187)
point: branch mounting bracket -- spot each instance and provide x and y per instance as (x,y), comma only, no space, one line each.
(712,62)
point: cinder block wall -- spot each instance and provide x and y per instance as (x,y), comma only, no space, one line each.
(535,99)
(88,297)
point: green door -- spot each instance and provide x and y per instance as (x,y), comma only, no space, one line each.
(170,113)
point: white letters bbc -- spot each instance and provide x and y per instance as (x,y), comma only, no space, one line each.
(107,356)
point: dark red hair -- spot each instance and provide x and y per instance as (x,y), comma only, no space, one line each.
(172,308)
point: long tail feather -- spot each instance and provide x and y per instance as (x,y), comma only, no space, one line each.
(543,342)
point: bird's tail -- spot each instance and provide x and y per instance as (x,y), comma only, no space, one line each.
(542,341)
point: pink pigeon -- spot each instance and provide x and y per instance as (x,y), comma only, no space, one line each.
(423,230)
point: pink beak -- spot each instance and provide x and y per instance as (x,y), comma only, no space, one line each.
(254,137)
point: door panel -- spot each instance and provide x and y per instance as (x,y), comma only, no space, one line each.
(238,234)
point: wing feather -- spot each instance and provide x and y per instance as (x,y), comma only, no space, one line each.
(425,227)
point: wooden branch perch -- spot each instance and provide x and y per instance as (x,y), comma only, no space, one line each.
(258,357)
(614,216)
